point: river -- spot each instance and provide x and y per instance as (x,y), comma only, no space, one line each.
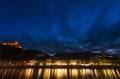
(58,73)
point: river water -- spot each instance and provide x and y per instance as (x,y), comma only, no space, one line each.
(59,73)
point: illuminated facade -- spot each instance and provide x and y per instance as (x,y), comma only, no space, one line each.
(15,44)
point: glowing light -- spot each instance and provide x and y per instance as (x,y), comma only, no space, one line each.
(28,73)
(15,44)
(20,74)
(48,62)
(60,73)
(96,72)
(74,73)
(47,74)
(105,73)
(118,73)
(86,64)
(60,63)
(31,62)
(88,71)
(39,73)
(84,73)
(4,74)
(73,63)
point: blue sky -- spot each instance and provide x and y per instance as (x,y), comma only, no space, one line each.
(53,23)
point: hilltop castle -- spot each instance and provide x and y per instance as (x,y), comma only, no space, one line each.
(15,44)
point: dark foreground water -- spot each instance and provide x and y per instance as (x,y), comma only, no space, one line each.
(59,73)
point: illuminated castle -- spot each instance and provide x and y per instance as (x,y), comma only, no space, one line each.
(15,44)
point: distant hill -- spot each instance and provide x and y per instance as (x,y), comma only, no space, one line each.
(75,55)
(14,53)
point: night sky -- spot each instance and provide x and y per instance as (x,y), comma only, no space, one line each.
(62,25)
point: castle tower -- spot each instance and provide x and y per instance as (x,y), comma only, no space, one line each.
(16,42)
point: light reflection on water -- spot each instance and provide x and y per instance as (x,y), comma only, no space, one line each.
(59,73)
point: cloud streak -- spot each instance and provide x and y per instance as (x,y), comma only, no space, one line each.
(50,23)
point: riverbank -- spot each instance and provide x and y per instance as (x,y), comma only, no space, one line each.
(76,66)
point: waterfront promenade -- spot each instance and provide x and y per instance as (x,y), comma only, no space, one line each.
(76,66)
